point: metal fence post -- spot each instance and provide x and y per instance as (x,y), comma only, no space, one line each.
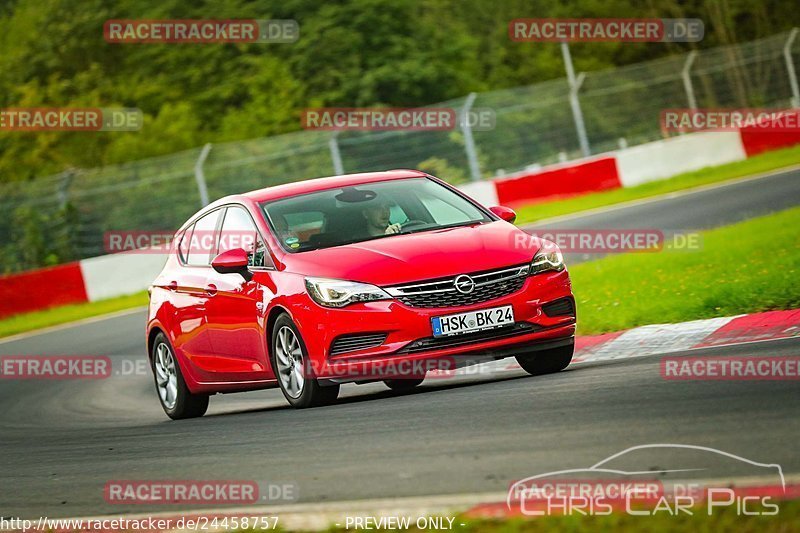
(787,54)
(687,79)
(469,141)
(574,102)
(63,187)
(200,176)
(336,156)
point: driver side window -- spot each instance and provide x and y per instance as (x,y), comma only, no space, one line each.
(239,231)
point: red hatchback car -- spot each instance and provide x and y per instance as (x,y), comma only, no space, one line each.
(359,278)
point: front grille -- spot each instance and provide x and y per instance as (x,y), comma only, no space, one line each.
(443,293)
(360,341)
(436,343)
(562,307)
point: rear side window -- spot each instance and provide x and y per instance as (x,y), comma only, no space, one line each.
(183,246)
(203,240)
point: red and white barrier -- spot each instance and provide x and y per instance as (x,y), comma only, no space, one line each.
(676,155)
(40,289)
(756,139)
(630,166)
(89,280)
(565,179)
(113,275)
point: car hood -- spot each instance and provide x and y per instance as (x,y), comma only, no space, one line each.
(420,256)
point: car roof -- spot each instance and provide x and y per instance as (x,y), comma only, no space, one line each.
(305,186)
(332,182)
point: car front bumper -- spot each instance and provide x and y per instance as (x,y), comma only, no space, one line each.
(409,348)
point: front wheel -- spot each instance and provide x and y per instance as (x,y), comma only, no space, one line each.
(175,397)
(293,368)
(547,361)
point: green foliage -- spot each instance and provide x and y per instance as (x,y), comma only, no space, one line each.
(350,53)
(392,53)
(39,238)
(436,166)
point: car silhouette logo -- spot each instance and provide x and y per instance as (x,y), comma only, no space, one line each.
(464,284)
(605,468)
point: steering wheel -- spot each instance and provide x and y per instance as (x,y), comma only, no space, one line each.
(412,223)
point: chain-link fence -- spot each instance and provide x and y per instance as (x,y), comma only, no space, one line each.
(64,217)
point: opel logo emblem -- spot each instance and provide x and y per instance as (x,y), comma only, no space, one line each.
(464,284)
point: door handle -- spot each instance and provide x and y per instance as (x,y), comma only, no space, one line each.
(173,285)
(211,289)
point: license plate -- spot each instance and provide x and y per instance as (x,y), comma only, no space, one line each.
(472,321)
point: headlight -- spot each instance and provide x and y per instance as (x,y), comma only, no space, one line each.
(339,293)
(548,258)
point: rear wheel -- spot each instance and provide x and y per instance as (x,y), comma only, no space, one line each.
(294,370)
(403,384)
(547,361)
(173,394)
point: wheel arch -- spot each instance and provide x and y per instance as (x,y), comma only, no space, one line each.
(151,338)
(272,317)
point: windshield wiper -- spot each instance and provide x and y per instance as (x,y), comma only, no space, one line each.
(372,238)
(446,226)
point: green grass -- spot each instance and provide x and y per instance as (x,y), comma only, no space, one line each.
(68,313)
(722,520)
(761,163)
(744,268)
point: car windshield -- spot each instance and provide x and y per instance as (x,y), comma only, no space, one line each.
(345,215)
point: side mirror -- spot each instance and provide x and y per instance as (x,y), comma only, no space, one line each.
(232,262)
(506,213)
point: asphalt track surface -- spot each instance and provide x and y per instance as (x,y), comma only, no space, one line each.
(61,441)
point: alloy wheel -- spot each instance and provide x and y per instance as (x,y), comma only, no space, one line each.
(166,376)
(289,356)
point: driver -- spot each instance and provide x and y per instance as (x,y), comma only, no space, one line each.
(377,218)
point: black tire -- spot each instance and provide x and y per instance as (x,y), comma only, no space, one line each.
(403,384)
(186,404)
(547,361)
(312,393)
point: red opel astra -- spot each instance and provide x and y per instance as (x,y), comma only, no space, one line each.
(351,279)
